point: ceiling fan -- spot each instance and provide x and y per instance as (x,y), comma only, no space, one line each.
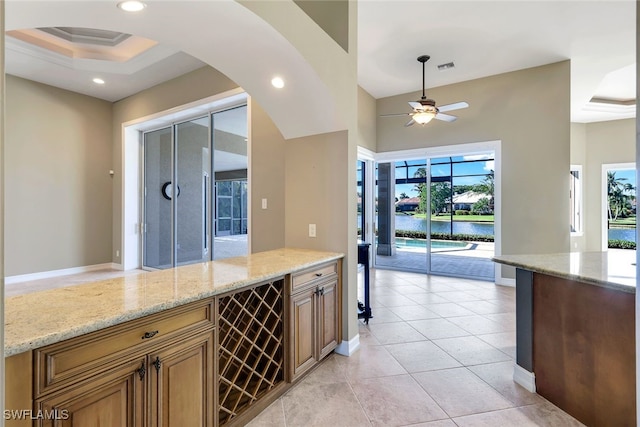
(425,109)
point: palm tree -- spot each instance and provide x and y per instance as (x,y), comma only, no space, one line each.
(619,196)
(421,189)
(487,186)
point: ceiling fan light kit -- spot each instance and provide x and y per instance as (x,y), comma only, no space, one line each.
(424,110)
(423,117)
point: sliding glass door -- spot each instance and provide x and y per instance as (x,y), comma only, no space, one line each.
(177,167)
(462,215)
(195,190)
(436,215)
(157,230)
(230,166)
(192,169)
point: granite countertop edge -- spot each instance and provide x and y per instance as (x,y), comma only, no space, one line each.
(35,341)
(536,268)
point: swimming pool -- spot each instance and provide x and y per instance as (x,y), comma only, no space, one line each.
(408,243)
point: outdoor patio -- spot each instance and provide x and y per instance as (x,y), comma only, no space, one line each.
(471,261)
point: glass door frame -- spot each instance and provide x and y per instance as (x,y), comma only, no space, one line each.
(608,167)
(207,223)
(447,151)
(368,197)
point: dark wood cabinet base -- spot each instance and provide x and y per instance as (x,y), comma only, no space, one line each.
(584,350)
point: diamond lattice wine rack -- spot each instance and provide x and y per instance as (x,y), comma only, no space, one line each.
(251,356)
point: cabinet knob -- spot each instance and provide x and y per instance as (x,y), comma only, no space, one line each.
(141,371)
(157,364)
(148,335)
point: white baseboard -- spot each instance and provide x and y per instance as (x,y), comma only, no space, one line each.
(505,282)
(64,272)
(525,378)
(346,348)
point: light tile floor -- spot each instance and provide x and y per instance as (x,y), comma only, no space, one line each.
(439,352)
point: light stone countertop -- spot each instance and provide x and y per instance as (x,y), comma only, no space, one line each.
(37,319)
(614,269)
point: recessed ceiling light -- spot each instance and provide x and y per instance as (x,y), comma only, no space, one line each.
(131,5)
(277,82)
(98,81)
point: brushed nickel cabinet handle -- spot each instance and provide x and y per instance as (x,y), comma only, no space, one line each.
(318,274)
(148,335)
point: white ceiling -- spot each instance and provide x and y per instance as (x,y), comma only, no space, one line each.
(481,37)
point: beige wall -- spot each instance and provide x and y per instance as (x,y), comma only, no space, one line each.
(529,112)
(316,191)
(58,154)
(605,143)
(366,120)
(267,178)
(331,16)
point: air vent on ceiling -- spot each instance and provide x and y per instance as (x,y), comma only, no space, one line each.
(612,101)
(447,66)
(87,35)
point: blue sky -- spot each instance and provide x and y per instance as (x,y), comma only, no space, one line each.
(630,174)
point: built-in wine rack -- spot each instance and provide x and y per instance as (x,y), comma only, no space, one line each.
(251,352)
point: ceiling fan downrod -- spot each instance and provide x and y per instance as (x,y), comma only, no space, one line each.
(423,59)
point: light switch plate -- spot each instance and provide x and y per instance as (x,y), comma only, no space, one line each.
(264,203)
(312,230)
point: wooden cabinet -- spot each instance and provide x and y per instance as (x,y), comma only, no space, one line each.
(182,383)
(314,317)
(328,314)
(303,327)
(114,399)
(164,377)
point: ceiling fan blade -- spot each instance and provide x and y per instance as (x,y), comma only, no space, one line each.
(445,117)
(409,123)
(416,105)
(451,107)
(395,115)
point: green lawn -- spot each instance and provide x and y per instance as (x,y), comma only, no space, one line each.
(631,221)
(468,218)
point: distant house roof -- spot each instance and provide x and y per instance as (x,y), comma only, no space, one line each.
(408,201)
(470,197)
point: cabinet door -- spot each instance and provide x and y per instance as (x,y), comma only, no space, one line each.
(327,318)
(303,337)
(113,399)
(182,383)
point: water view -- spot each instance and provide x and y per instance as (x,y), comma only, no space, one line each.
(622,234)
(410,223)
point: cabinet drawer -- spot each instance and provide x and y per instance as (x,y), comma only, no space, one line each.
(74,359)
(322,271)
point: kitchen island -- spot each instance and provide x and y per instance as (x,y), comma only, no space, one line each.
(575,332)
(200,345)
